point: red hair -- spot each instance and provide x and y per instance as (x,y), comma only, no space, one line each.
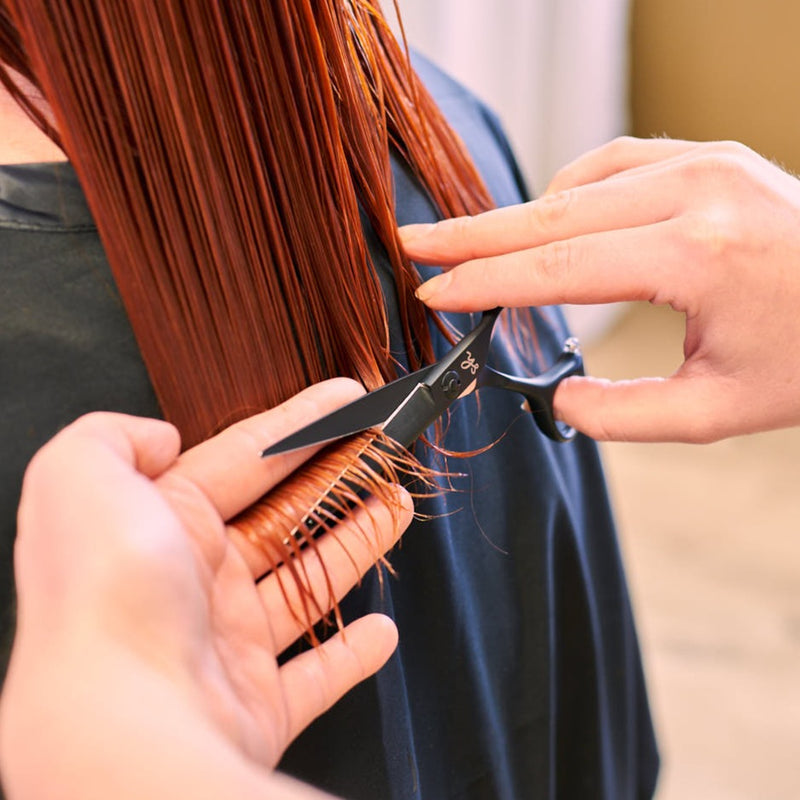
(226,151)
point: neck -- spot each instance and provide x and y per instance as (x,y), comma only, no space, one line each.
(21,141)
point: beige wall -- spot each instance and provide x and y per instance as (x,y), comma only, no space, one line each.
(719,69)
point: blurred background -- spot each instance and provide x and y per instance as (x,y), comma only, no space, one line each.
(710,534)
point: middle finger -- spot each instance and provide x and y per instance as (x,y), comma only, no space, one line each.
(626,202)
(307,587)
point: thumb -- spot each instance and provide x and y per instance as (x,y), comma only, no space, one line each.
(675,409)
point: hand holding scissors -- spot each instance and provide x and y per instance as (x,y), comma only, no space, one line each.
(711,229)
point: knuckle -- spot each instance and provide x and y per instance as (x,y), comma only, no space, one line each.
(706,436)
(554,261)
(621,145)
(601,430)
(459,232)
(712,234)
(730,148)
(566,176)
(619,151)
(719,168)
(550,209)
(91,422)
(611,155)
(702,432)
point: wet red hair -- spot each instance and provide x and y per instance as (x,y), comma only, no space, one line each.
(226,150)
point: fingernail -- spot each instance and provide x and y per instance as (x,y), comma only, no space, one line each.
(433,286)
(410,233)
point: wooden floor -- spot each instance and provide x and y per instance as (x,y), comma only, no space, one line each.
(711,537)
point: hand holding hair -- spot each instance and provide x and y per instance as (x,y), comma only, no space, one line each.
(145,663)
(713,230)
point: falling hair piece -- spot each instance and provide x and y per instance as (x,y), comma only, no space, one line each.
(226,151)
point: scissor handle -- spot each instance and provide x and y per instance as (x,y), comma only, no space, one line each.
(539,391)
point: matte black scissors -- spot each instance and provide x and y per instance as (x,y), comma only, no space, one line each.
(406,407)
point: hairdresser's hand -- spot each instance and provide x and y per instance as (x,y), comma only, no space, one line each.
(711,229)
(145,664)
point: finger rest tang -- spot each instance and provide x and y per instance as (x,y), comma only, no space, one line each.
(540,390)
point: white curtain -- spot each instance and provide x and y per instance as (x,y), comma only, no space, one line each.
(554,70)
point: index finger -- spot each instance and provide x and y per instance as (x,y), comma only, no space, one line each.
(632,264)
(229,469)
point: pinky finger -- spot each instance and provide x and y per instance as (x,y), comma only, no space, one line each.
(619,155)
(315,680)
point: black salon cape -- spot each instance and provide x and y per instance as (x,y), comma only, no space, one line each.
(518,672)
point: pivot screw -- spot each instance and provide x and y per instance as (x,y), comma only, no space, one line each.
(572,345)
(451,384)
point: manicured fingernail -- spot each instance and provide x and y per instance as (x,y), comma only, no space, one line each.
(410,233)
(433,286)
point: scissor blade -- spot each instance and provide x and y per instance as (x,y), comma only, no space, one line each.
(370,411)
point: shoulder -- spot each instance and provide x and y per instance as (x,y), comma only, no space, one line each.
(480,129)
(452,97)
